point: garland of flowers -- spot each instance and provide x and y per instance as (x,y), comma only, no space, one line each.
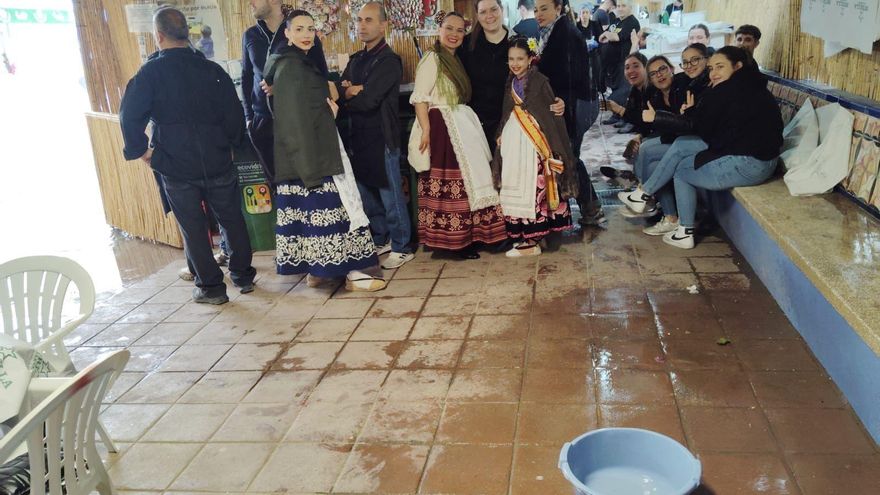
(408,14)
(325,12)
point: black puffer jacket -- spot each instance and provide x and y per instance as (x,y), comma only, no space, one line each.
(737,117)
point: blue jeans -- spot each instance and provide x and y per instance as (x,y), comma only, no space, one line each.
(386,208)
(717,175)
(651,151)
(683,147)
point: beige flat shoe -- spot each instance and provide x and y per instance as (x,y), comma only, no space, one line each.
(361,282)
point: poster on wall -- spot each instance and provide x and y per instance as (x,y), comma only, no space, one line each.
(842,23)
(205,25)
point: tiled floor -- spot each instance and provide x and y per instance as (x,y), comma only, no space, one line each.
(466,377)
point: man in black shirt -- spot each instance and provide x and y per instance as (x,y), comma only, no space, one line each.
(371,90)
(527,26)
(197,121)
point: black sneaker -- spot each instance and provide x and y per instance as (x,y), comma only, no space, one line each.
(246,288)
(595,220)
(200,297)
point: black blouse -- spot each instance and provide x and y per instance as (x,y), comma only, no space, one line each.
(486,66)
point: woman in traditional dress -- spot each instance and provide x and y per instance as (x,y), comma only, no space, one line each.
(458,205)
(534,167)
(322,229)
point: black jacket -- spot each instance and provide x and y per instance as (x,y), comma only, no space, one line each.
(635,104)
(486,66)
(737,117)
(374,112)
(196,115)
(564,61)
(256,46)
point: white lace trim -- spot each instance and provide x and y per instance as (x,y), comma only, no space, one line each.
(327,187)
(334,249)
(476,203)
(319,218)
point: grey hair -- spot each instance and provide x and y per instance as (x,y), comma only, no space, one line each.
(383,14)
(172,23)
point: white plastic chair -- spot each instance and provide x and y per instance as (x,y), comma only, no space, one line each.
(32,294)
(60,433)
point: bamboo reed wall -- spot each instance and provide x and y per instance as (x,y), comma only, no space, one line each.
(128,189)
(796,55)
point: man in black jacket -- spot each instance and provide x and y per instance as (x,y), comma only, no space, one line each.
(197,121)
(265,38)
(371,89)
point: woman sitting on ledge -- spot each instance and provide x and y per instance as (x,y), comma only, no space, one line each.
(740,126)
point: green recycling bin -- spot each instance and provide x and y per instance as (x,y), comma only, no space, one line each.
(256,203)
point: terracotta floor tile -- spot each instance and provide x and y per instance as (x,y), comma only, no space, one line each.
(194,357)
(368,355)
(257,423)
(493,354)
(478,422)
(120,334)
(725,281)
(468,469)
(345,308)
(458,287)
(535,471)
(662,265)
(776,355)
(713,388)
(127,422)
(621,386)
(559,386)
(408,288)
(702,354)
(506,304)
(607,301)
(569,354)
(169,334)
(146,358)
(150,313)
(662,419)
(796,389)
(440,328)
(110,313)
(192,312)
(570,301)
(464,269)
(383,469)
(715,265)
(836,474)
(301,468)
(449,306)
(398,307)
(151,466)
(623,327)
(405,422)
(328,330)
(283,386)
(503,327)
(329,421)
(486,385)
(84,355)
(188,423)
(832,431)
(727,429)
(272,331)
(429,354)
(746,474)
(418,270)
(169,295)
(669,282)
(773,326)
(643,355)
(689,326)
(219,333)
(680,302)
(136,296)
(554,424)
(84,332)
(755,302)
(308,355)
(349,386)
(416,385)
(560,326)
(221,387)
(123,384)
(383,329)
(160,388)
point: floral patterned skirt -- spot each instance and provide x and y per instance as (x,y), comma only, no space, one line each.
(312,233)
(545,221)
(445,218)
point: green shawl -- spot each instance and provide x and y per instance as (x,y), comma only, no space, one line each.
(452,80)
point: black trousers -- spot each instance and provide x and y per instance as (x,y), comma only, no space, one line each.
(263,139)
(586,112)
(221,195)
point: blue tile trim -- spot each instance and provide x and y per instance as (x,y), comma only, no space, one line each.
(853,366)
(853,102)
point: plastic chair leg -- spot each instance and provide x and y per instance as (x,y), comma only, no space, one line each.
(105,438)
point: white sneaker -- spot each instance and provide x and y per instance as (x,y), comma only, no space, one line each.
(635,200)
(185,274)
(380,250)
(681,237)
(221,258)
(649,212)
(664,226)
(396,260)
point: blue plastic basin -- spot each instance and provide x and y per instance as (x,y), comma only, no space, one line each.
(628,461)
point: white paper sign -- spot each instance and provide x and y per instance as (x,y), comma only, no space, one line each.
(842,23)
(140,17)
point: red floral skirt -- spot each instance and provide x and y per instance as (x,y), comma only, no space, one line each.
(545,221)
(445,218)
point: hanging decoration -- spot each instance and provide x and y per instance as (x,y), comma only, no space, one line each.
(410,14)
(325,12)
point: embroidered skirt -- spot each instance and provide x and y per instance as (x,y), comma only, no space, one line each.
(445,218)
(545,221)
(312,233)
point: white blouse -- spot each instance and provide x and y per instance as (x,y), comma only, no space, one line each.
(425,89)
